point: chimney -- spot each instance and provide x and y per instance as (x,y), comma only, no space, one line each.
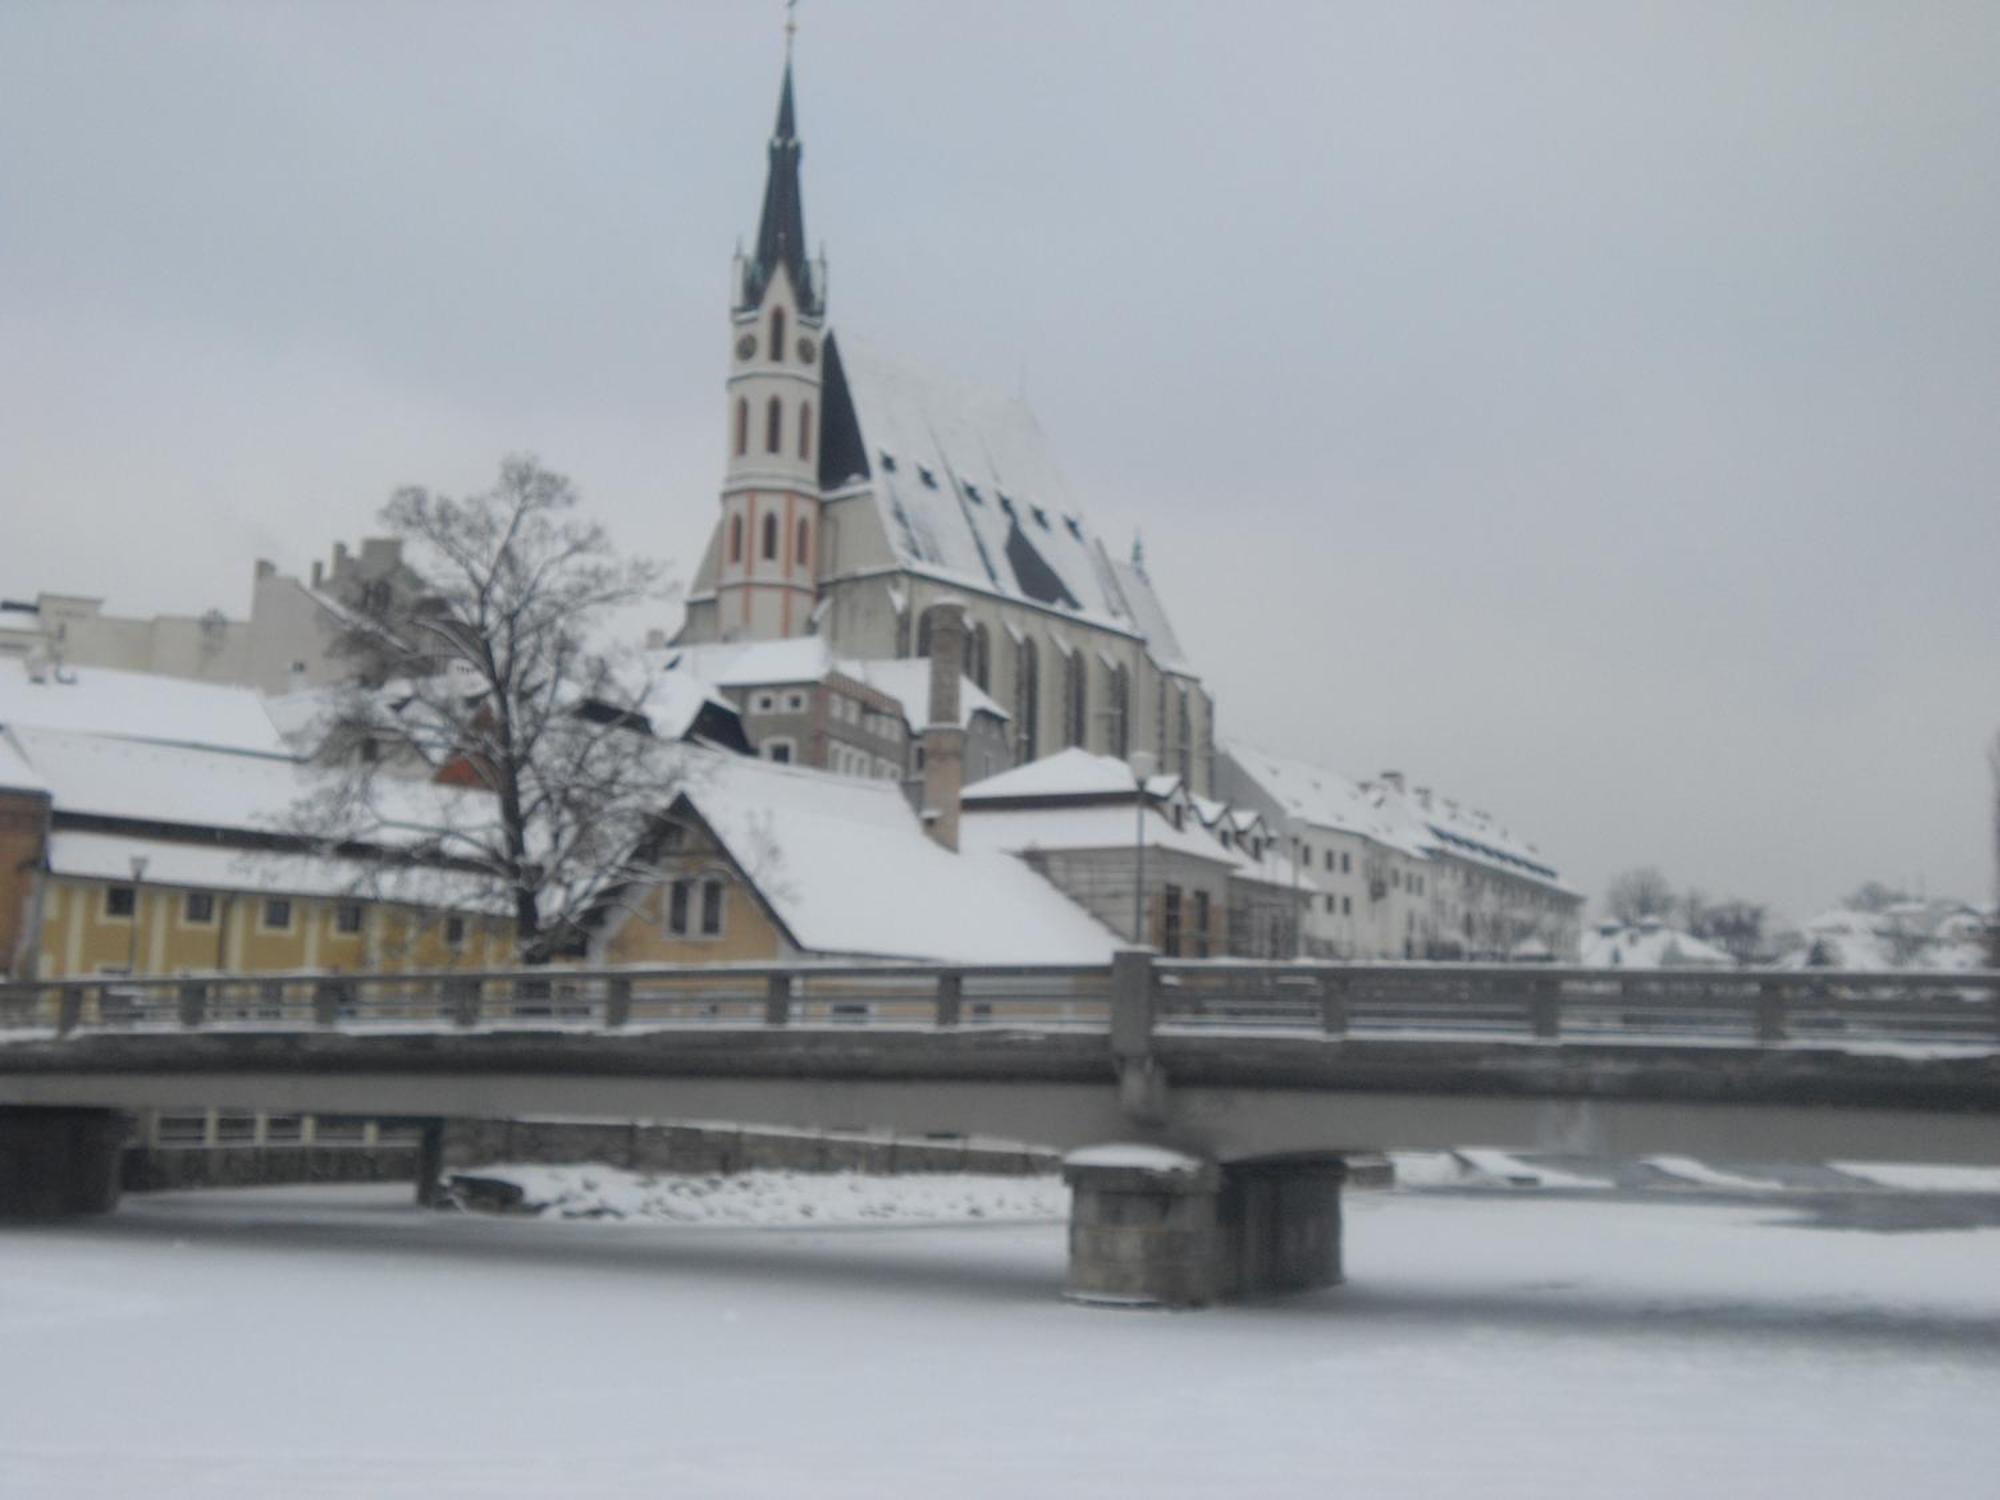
(944,736)
(1393,780)
(1423,796)
(319,572)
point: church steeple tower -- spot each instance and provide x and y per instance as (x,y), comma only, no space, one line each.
(767,551)
(781,229)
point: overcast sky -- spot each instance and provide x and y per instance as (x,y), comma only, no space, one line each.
(1587,410)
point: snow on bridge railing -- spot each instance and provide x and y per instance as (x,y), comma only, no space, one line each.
(1503,1001)
(1549,1002)
(1046,996)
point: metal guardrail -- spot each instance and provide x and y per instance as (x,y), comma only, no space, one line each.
(1415,1000)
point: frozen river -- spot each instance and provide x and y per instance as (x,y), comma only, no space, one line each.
(336,1342)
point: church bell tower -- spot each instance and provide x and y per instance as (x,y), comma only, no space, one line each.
(766,581)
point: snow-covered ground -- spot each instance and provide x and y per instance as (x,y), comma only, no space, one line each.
(800,1199)
(334,1341)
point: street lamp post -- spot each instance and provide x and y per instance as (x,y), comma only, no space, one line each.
(138,908)
(1142,769)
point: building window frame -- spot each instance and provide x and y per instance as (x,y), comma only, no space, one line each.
(198,909)
(285,906)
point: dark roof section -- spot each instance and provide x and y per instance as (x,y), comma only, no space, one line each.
(781,232)
(843,456)
(1038,580)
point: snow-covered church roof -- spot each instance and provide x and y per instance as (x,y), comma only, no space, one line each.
(969,492)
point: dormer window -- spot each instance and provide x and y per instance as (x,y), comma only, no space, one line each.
(1075,529)
(888,462)
(929,479)
(1041,516)
(972,494)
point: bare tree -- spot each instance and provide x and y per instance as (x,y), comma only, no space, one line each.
(1638,894)
(1874,896)
(1735,925)
(501,748)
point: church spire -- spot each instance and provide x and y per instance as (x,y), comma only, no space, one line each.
(781,232)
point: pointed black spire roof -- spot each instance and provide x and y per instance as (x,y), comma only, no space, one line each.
(781,233)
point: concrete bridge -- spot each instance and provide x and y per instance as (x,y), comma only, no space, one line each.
(1210,1105)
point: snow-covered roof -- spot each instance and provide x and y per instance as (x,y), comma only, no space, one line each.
(673,701)
(908,681)
(1650,944)
(1018,830)
(849,869)
(1067,773)
(16,775)
(161,783)
(1470,834)
(137,706)
(969,492)
(1326,799)
(202,866)
(804,658)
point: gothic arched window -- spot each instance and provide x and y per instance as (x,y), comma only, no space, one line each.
(777,335)
(1076,700)
(1121,713)
(770,535)
(742,426)
(774,421)
(1184,733)
(979,647)
(736,539)
(806,429)
(1027,699)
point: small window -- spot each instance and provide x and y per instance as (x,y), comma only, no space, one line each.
(1075,528)
(454,931)
(929,479)
(198,908)
(770,536)
(1201,924)
(795,702)
(742,426)
(1347,906)
(711,908)
(806,430)
(763,703)
(1329,859)
(805,557)
(1041,516)
(736,539)
(1006,504)
(120,901)
(1346,864)
(677,907)
(277,914)
(888,462)
(972,494)
(347,917)
(779,751)
(1329,905)
(1170,922)
(774,422)
(777,335)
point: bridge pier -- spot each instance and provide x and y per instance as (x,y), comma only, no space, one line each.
(59,1163)
(1153,1228)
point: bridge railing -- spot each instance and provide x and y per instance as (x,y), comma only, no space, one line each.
(1047,997)
(1416,1000)
(1741,1006)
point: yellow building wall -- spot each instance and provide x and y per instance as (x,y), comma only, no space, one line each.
(80,937)
(748,934)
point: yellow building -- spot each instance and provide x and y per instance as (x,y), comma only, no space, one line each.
(127,856)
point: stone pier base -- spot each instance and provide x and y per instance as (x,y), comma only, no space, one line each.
(58,1163)
(1153,1228)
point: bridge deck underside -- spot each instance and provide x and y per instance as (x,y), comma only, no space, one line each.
(1226,1096)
